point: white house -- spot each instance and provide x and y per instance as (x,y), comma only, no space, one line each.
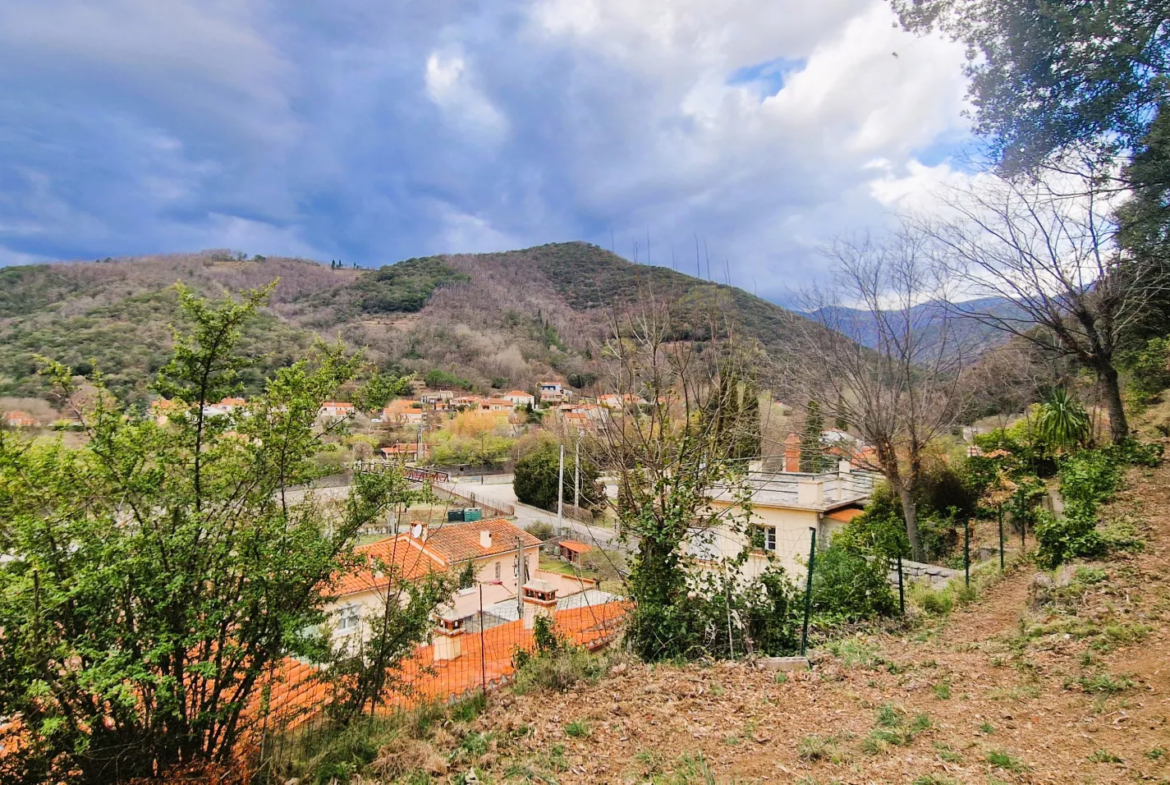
(520,398)
(335,410)
(786,507)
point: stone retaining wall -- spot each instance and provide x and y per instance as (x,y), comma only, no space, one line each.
(917,571)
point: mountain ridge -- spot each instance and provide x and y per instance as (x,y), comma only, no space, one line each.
(495,320)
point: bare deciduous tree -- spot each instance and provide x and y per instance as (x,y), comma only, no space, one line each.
(1049,244)
(892,372)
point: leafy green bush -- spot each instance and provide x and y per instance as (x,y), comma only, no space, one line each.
(849,587)
(1062,539)
(1149,369)
(1087,479)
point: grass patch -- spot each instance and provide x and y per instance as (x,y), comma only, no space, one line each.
(818,748)
(780,678)
(577,729)
(986,728)
(946,754)
(1114,635)
(1002,760)
(931,779)
(1104,756)
(563,668)
(855,651)
(1156,754)
(942,691)
(1105,684)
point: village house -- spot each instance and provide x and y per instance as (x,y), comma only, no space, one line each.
(553,393)
(496,405)
(19,419)
(335,410)
(403,412)
(785,508)
(502,558)
(467,402)
(432,397)
(520,398)
(406,451)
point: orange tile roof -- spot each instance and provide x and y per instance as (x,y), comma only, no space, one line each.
(399,551)
(456,542)
(518,392)
(574,545)
(845,515)
(297,690)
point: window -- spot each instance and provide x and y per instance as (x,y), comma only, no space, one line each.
(497,571)
(348,619)
(770,539)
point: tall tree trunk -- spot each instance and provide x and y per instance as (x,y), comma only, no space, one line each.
(1118,425)
(910,513)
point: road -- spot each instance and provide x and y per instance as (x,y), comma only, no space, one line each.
(526,515)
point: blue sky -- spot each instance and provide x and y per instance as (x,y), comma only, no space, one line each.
(376,131)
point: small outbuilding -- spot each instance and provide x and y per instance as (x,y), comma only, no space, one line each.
(572,550)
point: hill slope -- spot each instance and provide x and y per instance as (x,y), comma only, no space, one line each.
(861,325)
(495,320)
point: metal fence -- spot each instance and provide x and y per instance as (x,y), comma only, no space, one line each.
(447,670)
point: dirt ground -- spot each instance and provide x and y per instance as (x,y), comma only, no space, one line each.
(1004,689)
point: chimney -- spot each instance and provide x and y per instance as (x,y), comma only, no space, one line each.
(485,538)
(844,467)
(792,453)
(810,493)
(418,530)
(448,637)
(540,598)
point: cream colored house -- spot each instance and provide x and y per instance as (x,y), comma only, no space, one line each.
(785,508)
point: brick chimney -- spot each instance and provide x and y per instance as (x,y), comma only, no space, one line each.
(447,637)
(540,598)
(485,538)
(792,452)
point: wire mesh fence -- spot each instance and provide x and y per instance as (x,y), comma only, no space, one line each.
(455,665)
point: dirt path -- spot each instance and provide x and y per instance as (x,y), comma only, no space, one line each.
(1075,690)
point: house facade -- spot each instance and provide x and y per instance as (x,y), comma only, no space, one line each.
(785,509)
(520,398)
(335,410)
(403,412)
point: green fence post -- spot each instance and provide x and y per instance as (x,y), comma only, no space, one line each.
(812,556)
(901,592)
(999,515)
(967,552)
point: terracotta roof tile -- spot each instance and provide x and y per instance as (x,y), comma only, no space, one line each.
(456,542)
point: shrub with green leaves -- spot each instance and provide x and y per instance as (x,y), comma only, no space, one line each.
(849,587)
(161,570)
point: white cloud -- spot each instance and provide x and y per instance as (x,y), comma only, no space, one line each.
(379,131)
(452,88)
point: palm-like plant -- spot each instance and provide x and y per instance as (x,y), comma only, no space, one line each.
(1063,420)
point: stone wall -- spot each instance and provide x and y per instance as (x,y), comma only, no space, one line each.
(917,571)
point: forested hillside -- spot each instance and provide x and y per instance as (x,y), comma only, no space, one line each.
(494,320)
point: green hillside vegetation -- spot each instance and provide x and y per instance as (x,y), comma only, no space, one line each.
(488,321)
(405,287)
(590,277)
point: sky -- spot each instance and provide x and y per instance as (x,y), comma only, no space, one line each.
(376,130)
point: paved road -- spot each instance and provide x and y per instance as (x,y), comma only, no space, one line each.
(527,515)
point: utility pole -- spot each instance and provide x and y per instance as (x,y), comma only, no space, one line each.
(520,581)
(561,491)
(577,474)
